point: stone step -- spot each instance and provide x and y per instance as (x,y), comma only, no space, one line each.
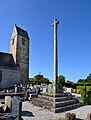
(65,103)
(56,106)
(69,107)
(59,99)
(46,98)
(56,99)
(50,104)
(56,95)
(43,103)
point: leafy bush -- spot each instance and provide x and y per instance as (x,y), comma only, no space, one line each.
(84,97)
(74,86)
(68,84)
(64,88)
(74,90)
(78,91)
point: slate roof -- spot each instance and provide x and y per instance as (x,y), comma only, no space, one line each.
(22,32)
(7,60)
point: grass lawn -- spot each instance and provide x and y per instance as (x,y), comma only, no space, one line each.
(83,87)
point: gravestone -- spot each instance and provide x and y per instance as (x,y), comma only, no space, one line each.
(7,107)
(16,89)
(50,88)
(68,90)
(44,88)
(16,107)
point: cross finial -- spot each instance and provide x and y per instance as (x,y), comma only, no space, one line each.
(55,23)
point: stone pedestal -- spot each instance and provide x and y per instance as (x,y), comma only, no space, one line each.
(59,88)
(56,103)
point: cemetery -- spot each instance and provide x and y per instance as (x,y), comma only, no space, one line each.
(53,98)
(11,103)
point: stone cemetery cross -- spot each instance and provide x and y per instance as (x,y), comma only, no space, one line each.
(55,24)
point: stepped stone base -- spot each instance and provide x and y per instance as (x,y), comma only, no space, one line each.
(58,103)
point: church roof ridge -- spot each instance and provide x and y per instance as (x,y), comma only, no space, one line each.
(5,53)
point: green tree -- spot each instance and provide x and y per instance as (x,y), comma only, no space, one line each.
(68,81)
(61,79)
(81,81)
(41,79)
(88,79)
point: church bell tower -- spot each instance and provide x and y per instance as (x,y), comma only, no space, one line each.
(19,48)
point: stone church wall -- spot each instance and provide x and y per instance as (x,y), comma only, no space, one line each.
(9,77)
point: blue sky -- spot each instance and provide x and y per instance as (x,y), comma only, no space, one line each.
(74,34)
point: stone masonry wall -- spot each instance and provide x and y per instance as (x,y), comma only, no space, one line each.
(9,77)
(23,57)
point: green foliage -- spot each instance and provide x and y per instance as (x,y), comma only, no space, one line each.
(61,80)
(87,80)
(41,79)
(68,81)
(73,90)
(77,91)
(82,87)
(73,85)
(68,84)
(81,81)
(64,88)
(84,94)
(38,79)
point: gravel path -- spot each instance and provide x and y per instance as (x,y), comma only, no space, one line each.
(31,112)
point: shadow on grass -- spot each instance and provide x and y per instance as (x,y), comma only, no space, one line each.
(27,114)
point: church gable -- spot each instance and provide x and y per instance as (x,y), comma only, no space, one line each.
(14,33)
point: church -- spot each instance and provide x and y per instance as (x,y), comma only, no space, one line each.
(14,66)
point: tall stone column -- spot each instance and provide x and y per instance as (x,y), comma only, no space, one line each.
(55,24)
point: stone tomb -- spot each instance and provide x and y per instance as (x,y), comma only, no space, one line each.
(16,108)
